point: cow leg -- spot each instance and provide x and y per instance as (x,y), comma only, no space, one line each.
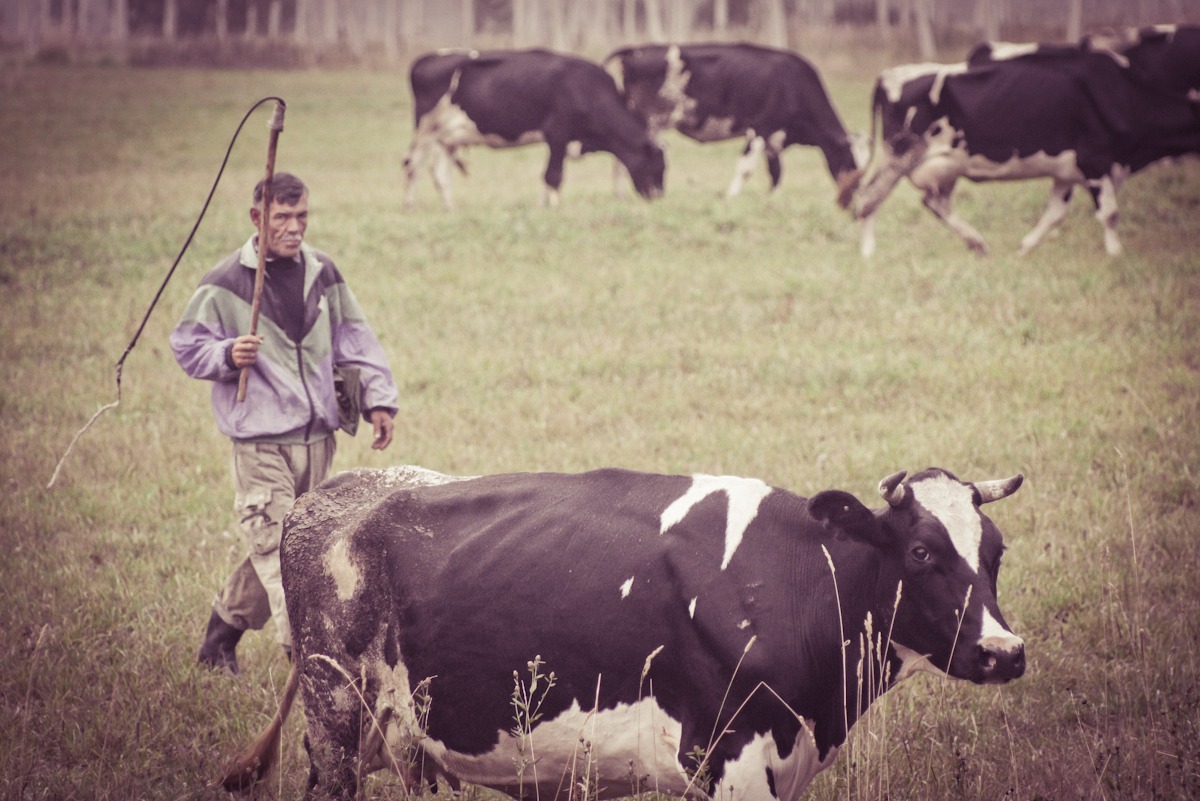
(755,145)
(554,173)
(774,146)
(1105,197)
(938,200)
(417,155)
(443,162)
(867,243)
(1056,210)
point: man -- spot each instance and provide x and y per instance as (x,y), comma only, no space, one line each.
(283,432)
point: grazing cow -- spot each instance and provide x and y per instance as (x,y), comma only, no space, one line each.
(532,632)
(1080,117)
(508,98)
(710,92)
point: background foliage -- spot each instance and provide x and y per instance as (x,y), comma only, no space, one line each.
(688,335)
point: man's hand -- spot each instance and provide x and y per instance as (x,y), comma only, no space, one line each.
(245,350)
(381,419)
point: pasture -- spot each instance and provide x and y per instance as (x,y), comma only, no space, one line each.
(692,334)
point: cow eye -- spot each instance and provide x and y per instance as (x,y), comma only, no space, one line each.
(921,553)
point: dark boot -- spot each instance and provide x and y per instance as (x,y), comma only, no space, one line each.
(220,640)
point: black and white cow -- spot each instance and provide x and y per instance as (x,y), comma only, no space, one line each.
(507,98)
(1167,56)
(711,92)
(693,625)
(1078,116)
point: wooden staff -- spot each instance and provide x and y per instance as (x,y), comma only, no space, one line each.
(276,126)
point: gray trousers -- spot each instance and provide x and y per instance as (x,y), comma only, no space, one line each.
(267,478)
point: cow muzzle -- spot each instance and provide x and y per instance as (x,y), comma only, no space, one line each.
(1001,659)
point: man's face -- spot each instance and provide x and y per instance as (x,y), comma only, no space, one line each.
(285,227)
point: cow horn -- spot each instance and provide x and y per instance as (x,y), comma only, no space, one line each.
(891,489)
(1000,488)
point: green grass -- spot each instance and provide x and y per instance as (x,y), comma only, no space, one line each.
(692,334)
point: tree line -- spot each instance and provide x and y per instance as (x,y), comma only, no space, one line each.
(390,28)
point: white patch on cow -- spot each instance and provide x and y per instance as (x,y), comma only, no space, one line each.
(615,67)
(996,637)
(746,775)
(395,709)
(1005,51)
(341,569)
(755,145)
(627,587)
(674,91)
(745,624)
(692,608)
(638,741)
(946,158)
(639,738)
(894,79)
(745,495)
(953,504)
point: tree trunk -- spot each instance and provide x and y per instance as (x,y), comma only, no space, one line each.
(629,20)
(170,23)
(29,23)
(520,23)
(468,22)
(330,32)
(251,20)
(299,23)
(988,14)
(558,32)
(118,31)
(1074,20)
(274,19)
(389,29)
(883,19)
(84,30)
(923,19)
(221,23)
(721,18)
(776,23)
(654,19)
(412,21)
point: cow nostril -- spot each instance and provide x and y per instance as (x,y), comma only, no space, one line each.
(1002,665)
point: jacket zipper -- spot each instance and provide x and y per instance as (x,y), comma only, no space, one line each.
(312,409)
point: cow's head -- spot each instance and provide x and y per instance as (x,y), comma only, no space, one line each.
(647,165)
(945,555)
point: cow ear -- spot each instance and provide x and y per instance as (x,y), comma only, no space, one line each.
(842,511)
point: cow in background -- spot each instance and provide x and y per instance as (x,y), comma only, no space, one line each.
(711,92)
(1078,116)
(1167,56)
(704,635)
(508,98)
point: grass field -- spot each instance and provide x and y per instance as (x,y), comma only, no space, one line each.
(688,335)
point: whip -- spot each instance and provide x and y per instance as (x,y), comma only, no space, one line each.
(276,125)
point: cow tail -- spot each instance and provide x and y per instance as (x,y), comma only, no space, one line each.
(253,763)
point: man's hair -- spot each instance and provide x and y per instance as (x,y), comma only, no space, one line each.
(285,188)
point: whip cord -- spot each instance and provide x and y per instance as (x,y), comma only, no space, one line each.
(158,295)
